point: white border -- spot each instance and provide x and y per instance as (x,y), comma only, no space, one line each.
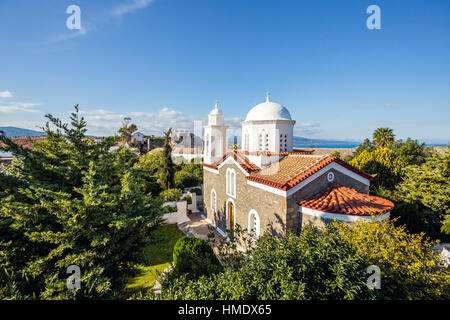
(230,158)
(341,217)
(229,182)
(258,222)
(211,170)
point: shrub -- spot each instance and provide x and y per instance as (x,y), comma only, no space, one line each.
(171,194)
(410,269)
(314,265)
(194,257)
(188,199)
(383,162)
(197,191)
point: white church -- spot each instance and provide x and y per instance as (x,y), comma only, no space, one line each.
(269,186)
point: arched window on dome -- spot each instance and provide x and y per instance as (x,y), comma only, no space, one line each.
(254,227)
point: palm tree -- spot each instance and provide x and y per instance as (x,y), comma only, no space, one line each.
(383,137)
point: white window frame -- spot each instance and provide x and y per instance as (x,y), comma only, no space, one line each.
(257,232)
(231,183)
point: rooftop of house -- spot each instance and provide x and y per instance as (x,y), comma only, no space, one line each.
(26,142)
(343,200)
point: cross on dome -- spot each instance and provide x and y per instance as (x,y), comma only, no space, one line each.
(267,96)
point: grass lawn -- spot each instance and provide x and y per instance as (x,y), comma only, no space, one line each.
(158,256)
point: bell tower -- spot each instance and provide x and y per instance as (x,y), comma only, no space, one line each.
(215,138)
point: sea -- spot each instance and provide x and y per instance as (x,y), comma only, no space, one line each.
(331,146)
(348,146)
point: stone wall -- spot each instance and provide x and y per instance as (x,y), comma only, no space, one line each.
(270,207)
(277,214)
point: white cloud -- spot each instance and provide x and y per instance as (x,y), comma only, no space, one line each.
(306,128)
(130,6)
(70,34)
(6,94)
(105,122)
(13,107)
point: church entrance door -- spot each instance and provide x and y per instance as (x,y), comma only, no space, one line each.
(231,217)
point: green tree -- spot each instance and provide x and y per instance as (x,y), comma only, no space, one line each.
(383,137)
(148,165)
(410,269)
(127,129)
(410,151)
(382,162)
(366,145)
(428,185)
(72,201)
(166,172)
(185,179)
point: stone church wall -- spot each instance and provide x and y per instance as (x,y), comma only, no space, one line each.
(270,207)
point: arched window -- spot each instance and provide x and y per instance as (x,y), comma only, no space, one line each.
(213,200)
(254,227)
(231,182)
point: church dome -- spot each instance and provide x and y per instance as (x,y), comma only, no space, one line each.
(216,110)
(268,111)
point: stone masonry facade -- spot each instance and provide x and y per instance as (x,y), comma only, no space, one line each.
(277,213)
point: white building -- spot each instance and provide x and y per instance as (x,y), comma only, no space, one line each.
(268,127)
(215,139)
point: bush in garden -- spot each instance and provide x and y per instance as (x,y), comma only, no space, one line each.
(194,257)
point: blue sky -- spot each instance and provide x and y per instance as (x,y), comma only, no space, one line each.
(166,62)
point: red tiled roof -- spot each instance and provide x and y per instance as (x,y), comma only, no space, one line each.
(293,169)
(243,161)
(343,200)
(26,142)
(269,153)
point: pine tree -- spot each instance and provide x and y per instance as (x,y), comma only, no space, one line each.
(70,201)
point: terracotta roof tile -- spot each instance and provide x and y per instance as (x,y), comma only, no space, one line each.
(293,169)
(26,142)
(269,153)
(343,200)
(243,161)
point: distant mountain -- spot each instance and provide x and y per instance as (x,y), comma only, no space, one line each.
(14,132)
(318,142)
